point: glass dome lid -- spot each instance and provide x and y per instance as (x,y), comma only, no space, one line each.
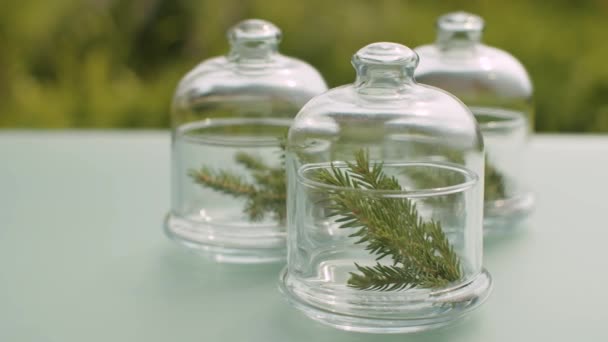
(385,201)
(229,117)
(478,74)
(253,71)
(386,111)
(498,91)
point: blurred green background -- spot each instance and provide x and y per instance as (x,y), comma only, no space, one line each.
(107,63)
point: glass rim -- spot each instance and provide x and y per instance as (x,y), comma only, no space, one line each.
(513,118)
(185,130)
(471,179)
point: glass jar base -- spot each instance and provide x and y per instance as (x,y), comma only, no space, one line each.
(505,214)
(394,316)
(205,240)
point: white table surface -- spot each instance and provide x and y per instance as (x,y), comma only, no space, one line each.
(83,256)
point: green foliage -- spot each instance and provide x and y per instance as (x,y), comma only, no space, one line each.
(266,196)
(494,184)
(421,254)
(494,180)
(73,63)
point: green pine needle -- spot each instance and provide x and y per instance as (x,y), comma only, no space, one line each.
(420,252)
(265,196)
(494,184)
(494,181)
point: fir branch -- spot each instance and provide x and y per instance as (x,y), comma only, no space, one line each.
(250,162)
(494,184)
(494,181)
(390,227)
(222,181)
(265,196)
(382,277)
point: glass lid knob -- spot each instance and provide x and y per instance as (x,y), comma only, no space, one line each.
(384,66)
(460,22)
(253,39)
(459,29)
(386,54)
(254,30)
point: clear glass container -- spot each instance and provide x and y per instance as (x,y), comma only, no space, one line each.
(497,89)
(385,201)
(229,116)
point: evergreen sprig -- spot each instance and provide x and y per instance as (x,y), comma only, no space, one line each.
(494,183)
(389,227)
(495,187)
(266,195)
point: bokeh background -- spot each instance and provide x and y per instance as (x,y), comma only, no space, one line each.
(115,64)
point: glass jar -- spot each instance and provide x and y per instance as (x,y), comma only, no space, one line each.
(385,187)
(229,116)
(497,89)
